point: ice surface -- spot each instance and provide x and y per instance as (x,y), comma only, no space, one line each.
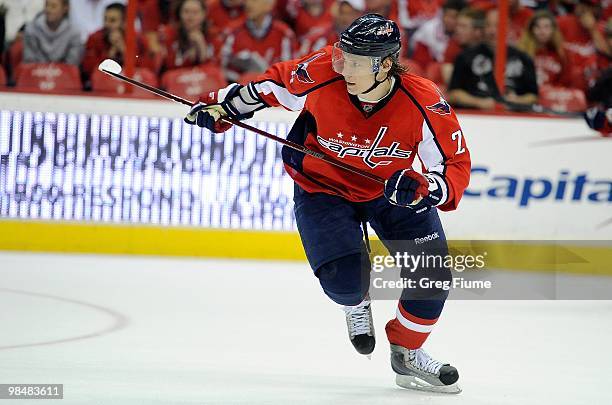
(126,330)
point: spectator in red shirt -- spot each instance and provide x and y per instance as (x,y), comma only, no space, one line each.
(153,15)
(261,41)
(390,10)
(344,13)
(519,17)
(557,7)
(414,13)
(186,43)
(583,38)
(109,43)
(307,15)
(386,8)
(543,41)
(468,32)
(224,15)
(430,41)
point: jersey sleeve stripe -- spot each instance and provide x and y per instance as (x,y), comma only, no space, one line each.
(430,152)
(284,97)
(253,92)
(426,119)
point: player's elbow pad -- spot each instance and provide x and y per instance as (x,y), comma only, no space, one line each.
(241,102)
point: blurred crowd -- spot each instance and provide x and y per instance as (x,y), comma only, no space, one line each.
(558,50)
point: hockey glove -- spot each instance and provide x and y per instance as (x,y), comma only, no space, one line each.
(235,101)
(208,116)
(407,188)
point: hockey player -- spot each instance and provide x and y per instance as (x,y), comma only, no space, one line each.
(361,106)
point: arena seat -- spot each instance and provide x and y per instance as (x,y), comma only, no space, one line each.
(190,83)
(2,77)
(562,99)
(48,77)
(103,84)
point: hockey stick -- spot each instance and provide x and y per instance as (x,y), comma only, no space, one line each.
(112,68)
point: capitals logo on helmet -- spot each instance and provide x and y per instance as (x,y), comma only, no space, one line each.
(441,107)
(388,30)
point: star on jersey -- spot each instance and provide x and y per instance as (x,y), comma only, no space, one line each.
(353,138)
(368,153)
(339,135)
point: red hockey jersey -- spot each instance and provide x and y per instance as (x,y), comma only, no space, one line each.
(414,120)
(244,51)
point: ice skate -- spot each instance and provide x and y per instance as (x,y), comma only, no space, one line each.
(417,370)
(361,327)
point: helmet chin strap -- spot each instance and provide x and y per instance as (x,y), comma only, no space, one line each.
(376,83)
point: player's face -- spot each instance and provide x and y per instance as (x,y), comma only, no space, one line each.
(359,72)
(353,67)
(192,15)
(543,30)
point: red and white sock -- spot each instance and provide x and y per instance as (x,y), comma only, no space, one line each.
(407,330)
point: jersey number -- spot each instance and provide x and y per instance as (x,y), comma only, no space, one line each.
(458,136)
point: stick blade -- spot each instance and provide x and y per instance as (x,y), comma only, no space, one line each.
(110,66)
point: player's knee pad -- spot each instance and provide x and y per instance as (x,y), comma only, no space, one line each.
(346,280)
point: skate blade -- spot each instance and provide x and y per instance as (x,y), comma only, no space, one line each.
(414,383)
